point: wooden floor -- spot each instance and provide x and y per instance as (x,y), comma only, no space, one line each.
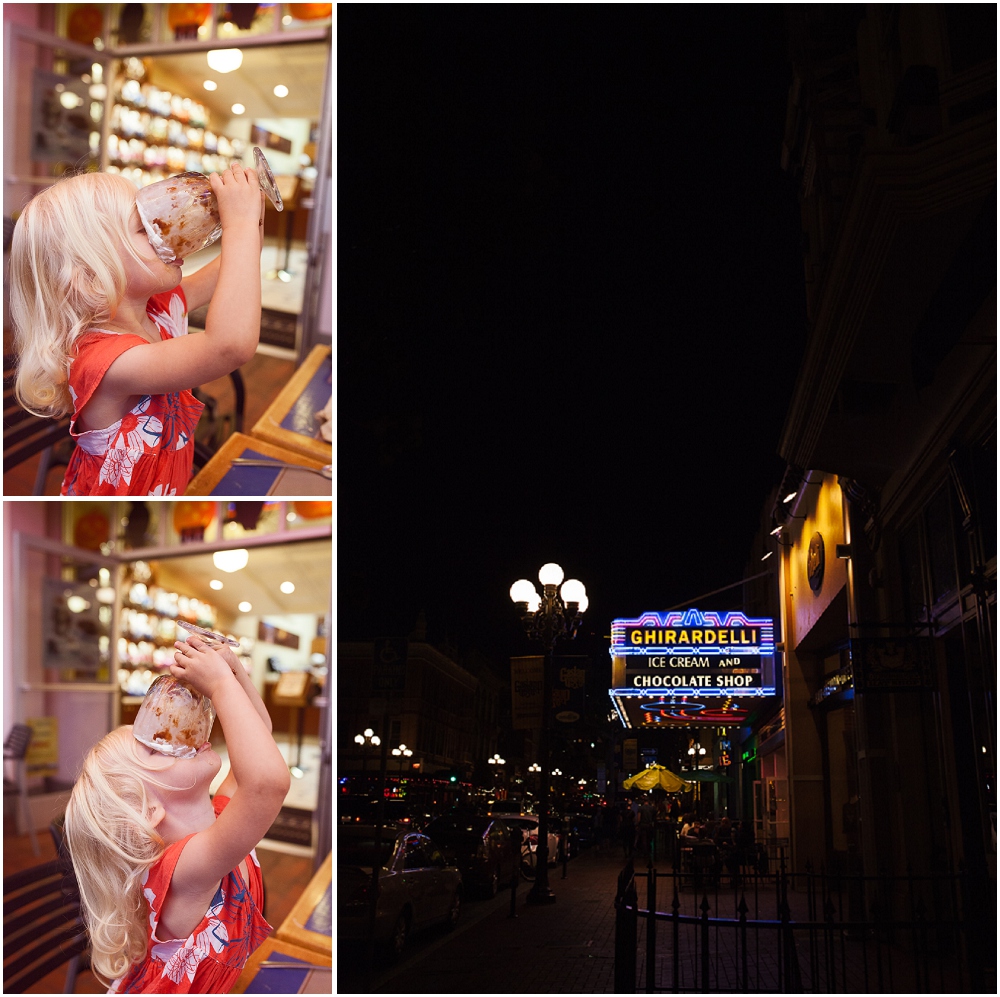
(285,877)
(263,378)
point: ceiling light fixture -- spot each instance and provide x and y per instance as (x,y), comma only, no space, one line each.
(244,607)
(215,584)
(231,560)
(225,60)
(237,108)
(210,85)
(281,90)
(287,587)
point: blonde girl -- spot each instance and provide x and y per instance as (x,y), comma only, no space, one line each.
(100,326)
(170,887)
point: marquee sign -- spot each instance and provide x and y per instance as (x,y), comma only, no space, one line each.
(638,709)
(694,652)
(690,667)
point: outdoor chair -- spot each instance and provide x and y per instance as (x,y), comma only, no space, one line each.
(15,749)
(704,860)
(43,927)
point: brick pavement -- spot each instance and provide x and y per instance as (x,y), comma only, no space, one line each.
(569,946)
(565,947)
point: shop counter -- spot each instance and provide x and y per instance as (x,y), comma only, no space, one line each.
(221,477)
(281,967)
(310,921)
(290,420)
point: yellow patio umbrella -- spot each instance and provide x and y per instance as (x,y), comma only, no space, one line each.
(657,775)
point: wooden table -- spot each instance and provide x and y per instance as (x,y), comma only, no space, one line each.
(290,420)
(310,922)
(316,976)
(221,477)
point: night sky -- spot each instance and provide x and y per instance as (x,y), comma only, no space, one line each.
(570,307)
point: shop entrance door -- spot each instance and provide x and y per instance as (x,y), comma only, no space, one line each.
(61,647)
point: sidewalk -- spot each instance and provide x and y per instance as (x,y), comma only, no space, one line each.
(565,947)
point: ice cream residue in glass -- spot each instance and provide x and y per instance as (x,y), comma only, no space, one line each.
(181,214)
(174,718)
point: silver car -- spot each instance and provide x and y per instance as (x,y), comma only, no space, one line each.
(417,887)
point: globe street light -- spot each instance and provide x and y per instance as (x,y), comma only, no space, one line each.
(495,761)
(401,752)
(369,739)
(554,615)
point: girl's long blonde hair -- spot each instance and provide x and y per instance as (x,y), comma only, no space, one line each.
(66,274)
(113,842)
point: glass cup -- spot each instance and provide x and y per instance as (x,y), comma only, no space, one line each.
(181,214)
(174,718)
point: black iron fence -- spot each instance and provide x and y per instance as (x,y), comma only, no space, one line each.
(706,928)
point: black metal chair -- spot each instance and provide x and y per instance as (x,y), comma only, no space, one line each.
(43,928)
(15,749)
(216,428)
(25,435)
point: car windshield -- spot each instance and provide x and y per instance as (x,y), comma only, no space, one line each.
(359,849)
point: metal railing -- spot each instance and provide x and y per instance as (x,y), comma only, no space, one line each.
(734,929)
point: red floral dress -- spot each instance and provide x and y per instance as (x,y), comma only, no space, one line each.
(211,958)
(150,450)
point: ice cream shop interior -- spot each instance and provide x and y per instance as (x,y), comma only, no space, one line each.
(150,91)
(95,596)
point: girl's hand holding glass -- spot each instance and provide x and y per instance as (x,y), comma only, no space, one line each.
(201,667)
(240,199)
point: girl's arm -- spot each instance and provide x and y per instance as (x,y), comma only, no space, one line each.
(229,784)
(257,765)
(198,287)
(236,666)
(233,324)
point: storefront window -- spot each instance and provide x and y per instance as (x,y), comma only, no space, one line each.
(941,547)
(307,515)
(89,525)
(250,519)
(914,603)
(160,24)
(192,522)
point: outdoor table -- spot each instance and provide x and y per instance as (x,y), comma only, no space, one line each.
(221,477)
(315,976)
(290,420)
(310,922)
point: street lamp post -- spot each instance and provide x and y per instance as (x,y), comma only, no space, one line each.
(369,739)
(496,761)
(554,615)
(400,753)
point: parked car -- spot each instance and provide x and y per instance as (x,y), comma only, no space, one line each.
(528,823)
(363,810)
(482,848)
(417,885)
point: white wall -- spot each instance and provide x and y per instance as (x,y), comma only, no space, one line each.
(301,624)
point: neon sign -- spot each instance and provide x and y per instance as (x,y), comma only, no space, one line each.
(690,651)
(692,632)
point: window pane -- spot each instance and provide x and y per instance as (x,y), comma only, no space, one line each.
(941,547)
(914,603)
